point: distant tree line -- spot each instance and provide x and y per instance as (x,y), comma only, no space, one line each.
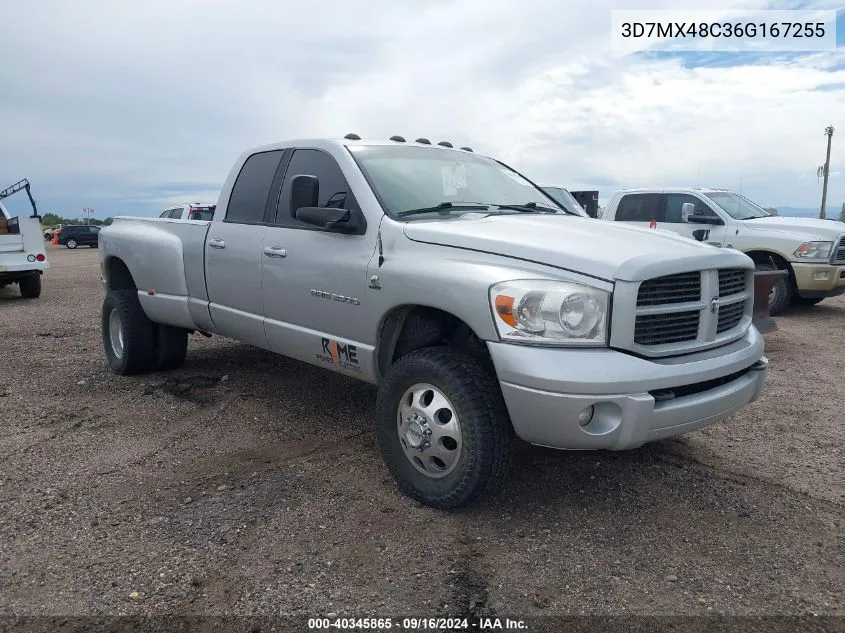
(51,219)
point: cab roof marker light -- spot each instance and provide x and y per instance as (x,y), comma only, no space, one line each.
(445,144)
(424,141)
(397,138)
(467,149)
(352,137)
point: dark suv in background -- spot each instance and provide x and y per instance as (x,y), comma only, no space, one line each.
(79,235)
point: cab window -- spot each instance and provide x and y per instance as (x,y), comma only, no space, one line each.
(638,207)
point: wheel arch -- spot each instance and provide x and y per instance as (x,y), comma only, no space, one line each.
(118,276)
(763,256)
(410,327)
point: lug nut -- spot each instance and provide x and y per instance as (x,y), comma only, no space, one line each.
(428,431)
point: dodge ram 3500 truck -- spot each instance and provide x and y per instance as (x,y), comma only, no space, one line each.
(476,304)
(811,250)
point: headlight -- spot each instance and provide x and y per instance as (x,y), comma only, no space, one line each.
(814,250)
(541,312)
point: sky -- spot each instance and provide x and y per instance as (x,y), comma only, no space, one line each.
(128,107)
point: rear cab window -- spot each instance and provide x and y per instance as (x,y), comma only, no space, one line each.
(248,200)
(638,207)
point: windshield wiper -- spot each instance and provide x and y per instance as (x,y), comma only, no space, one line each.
(529,207)
(444,208)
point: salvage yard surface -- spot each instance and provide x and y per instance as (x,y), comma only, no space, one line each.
(247,483)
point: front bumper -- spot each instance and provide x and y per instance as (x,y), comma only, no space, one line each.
(545,390)
(816,281)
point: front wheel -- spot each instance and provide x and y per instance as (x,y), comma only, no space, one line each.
(443,428)
(128,335)
(781,293)
(71,243)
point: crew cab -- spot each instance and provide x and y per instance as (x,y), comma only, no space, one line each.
(811,250)
(22,255)
(479,307)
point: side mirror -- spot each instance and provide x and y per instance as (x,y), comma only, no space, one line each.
(687,209)
(702,218)
(334,220)
(304,192)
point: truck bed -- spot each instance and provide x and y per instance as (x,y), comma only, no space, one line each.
(167,259)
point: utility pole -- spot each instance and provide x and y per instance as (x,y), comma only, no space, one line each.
(828,132)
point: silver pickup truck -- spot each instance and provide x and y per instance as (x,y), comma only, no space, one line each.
(479,307)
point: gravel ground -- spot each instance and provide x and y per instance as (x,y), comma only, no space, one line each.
(245,483)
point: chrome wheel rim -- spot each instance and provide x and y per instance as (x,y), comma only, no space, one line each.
(71,243)
(429,430)
(116,333)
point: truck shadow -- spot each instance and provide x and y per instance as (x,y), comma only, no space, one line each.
(308,404)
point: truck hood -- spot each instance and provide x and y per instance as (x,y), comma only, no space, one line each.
(812,228)
(590,247)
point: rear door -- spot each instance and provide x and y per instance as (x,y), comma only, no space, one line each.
(315,280)
(233,256)
(639,209)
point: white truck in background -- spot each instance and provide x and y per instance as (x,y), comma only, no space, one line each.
(811,250)
(195,211)
(22,253)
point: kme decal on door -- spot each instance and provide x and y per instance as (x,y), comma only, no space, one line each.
(341,355)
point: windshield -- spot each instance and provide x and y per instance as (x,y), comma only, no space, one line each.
(410,181)
(738,207)
(566,199)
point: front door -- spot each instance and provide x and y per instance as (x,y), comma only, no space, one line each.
(713,234)
(314,281)
(233,256)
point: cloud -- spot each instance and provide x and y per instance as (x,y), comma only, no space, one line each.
(129,107)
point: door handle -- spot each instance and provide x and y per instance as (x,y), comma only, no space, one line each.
(275,251)
(216,243)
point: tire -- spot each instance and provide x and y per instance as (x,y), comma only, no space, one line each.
(30,287)
(171,347)
(133,350)
(781,294)
(481,433)
(801,301)
(71,243)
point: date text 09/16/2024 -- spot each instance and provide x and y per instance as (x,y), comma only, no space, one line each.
(417,624)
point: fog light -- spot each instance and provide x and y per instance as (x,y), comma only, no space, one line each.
(821,275)
(586,416)
(30,258)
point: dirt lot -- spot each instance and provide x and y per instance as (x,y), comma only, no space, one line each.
(245,483)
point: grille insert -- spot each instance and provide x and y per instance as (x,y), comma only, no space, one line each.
(679,288)
(659,329)
(730,316)
(731,282)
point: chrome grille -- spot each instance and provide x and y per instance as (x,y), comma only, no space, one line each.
(839,254)
(731,282)
(729,317)
(683,312)
(659,329)
(678,288)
